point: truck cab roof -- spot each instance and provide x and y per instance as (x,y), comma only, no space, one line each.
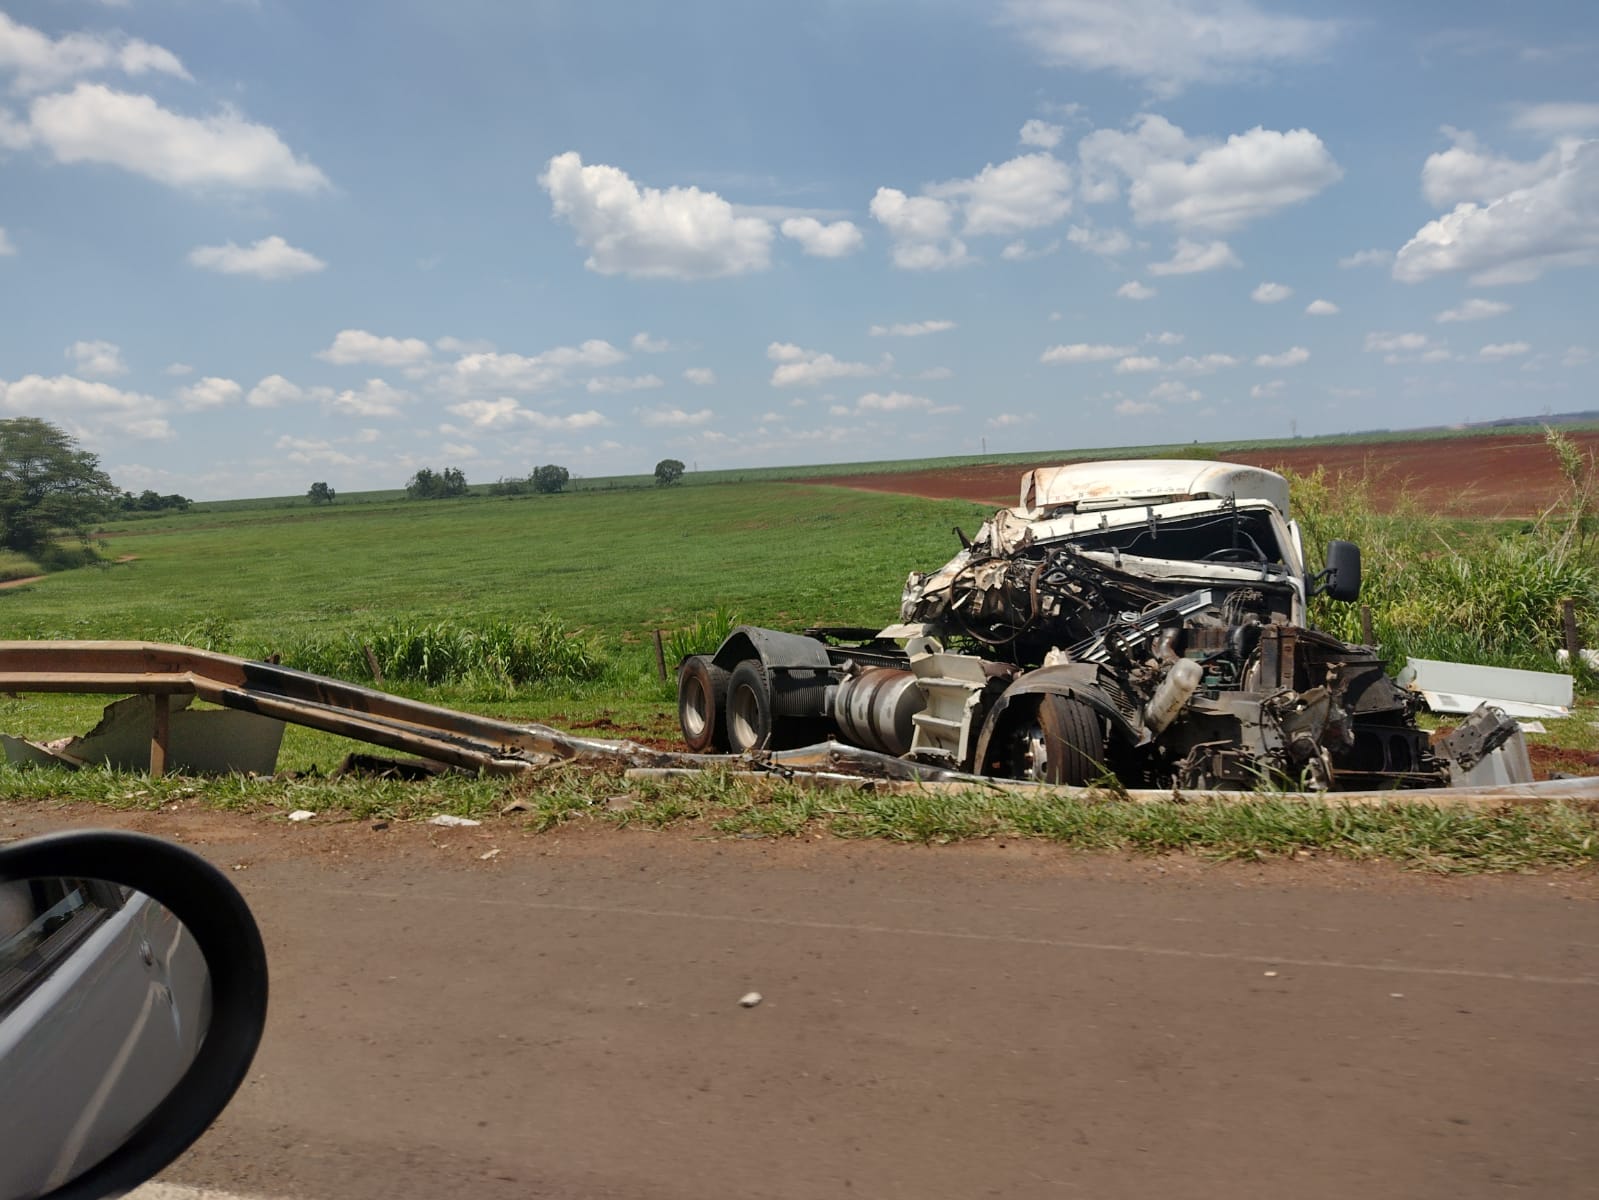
(1138,482)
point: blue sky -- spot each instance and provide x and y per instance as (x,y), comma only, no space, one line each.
(247,246)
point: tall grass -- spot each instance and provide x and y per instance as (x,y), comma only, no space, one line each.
(1450,590)
(702,636)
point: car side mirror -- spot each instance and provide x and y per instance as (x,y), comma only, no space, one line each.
(133,993)
(1341,579)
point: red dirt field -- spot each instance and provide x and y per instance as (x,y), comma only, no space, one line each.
(1513,475)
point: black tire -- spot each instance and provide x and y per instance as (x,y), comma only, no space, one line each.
(1074,742)
(749,708)
(702,704)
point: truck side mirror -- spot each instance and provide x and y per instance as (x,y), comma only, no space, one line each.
(1341,579)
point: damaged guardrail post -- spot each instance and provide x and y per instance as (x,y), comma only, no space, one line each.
(160,733)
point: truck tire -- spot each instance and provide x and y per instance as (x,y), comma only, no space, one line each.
(749,708)
(1074,743)
(702,704)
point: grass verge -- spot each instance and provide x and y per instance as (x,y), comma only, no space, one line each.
(714,805)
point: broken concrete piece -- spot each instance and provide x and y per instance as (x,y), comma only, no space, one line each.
(206,741)
(453,821)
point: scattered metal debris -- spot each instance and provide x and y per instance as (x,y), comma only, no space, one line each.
(1450,687)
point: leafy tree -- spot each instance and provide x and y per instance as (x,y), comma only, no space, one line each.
(667,472)
(550,478)
(48,487)
(509,486)
(428,485)
(321,493)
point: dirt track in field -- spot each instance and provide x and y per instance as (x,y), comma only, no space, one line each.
(1506,476)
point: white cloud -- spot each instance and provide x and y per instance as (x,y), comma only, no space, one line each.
(1170,391)
(602,384)
(1164,338)
(648,233)
(934,373)
(178,369)
(1466,172)
(507,413)
(1503,350)
(1197,183)
(1189,258)
(1271,293)
(1106,243)
(313,452)
(490,371)
(643,343)
(1083,352)
(920,227)
(37,62)
(6,246)
(1475,309)
(1514,238)
(84,398)
(94,124)
(1292,357)
(375,398)
(1367,258)
(1203,364)
(1138,364)
(1027,192)
(1558,117)
(663,418)
(699,376)
(1168,44)
(836,240)
(1129,407)
(1007,420)
(274,392)
(1576,356)
(268,258)
(1321,308)
(892,402)
(97,359)
(1135,289)
(208,393)
(351,346)
(911,328)
(1020,251)
(1396,343)
(1041,133)
(1269,390)
(798,367)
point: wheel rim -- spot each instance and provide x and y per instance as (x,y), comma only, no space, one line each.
(695,712)
(743,718)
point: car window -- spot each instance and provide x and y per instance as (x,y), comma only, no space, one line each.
(40,921)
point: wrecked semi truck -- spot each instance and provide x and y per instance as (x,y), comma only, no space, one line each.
(1139,621)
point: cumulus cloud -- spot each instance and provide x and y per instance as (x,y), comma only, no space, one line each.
(1367,258)
(1292,357)
(1168,45)
(374,398)
(1165,337)
(268,258)
(1475,309)
(1041,134)
(490,371)
(1138,363)
(836,240)
(667,418)
(920,228)
(1467,172)
(911,328)
(1027,192)
(1083,352)
(1127,406)
(209,393)
(1271,293)
(505,412)
(651,233)
(1107,243)
(313,452)
(83,398)
(97,359)
(798,367)
(1516,237)
(178,369)
(602,384)
(699,376)
(352,346)
(1500,351)
(643,343)
(1172,392)
(1201,184)
(1321,308)
(1397,348)
(1269,390)
(1135,289)
(94,124)
(274,392)
(1190,258)
(37,62)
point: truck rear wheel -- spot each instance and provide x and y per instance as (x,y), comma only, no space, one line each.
(702,704)
(1074,742)
(749,708)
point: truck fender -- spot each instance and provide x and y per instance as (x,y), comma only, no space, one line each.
(777,651)
(1080,681)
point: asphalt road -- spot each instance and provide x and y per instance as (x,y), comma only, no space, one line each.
(562,1019)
